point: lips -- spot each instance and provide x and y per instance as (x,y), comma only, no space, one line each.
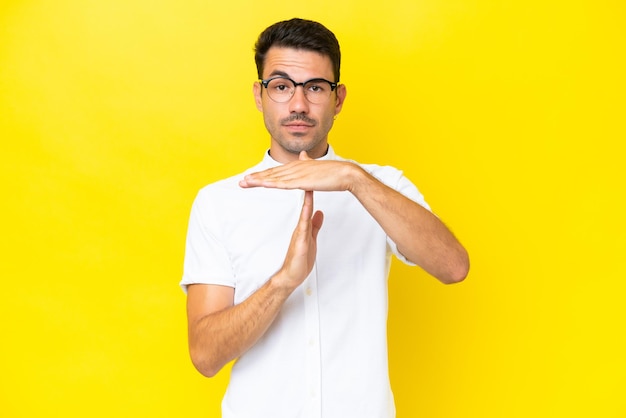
(298,125)
(298,128)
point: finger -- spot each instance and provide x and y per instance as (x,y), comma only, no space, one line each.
(316,223)
(243,183)
(258,179)
(307,207)
(270,178)
(304,156)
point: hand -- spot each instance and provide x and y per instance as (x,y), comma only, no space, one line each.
(302,250)
(305,174)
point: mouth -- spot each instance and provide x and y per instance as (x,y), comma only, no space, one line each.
(298,127)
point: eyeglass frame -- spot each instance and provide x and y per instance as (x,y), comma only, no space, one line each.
(265,83)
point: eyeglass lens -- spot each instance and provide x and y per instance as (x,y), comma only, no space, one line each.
(282,89)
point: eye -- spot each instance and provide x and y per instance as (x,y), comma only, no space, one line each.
(280,86)
(315,87)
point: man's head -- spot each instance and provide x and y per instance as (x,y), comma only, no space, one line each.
(298,63)
(298,34)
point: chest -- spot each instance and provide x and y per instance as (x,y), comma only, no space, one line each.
(258,238)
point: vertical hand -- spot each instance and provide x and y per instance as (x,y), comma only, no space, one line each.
(302,250)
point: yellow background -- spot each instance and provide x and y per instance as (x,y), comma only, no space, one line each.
(508,115)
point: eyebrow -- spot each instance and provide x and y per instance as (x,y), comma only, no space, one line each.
(278,73)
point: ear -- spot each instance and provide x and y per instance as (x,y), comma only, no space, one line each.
(341,96)
(256,91)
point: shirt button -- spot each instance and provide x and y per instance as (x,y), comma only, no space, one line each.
(309,291)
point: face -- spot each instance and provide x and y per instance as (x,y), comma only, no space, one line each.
(298,125)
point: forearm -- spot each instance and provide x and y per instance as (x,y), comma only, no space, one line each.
(220,337)
(420,236)
(220,331)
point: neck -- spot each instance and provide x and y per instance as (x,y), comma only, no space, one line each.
(285,156)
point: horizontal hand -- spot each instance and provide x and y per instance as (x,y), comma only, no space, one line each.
(305,174)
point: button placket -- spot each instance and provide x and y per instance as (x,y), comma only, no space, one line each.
(313,352)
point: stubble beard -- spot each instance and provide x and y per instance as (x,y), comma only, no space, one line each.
(297,142)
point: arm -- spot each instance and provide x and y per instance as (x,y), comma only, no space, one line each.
(220,331)
(420,236)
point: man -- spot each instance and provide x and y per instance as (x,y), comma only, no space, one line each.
(303,308)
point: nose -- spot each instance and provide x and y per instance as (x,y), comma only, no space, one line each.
(298,102)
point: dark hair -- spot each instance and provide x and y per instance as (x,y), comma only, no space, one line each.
(298,34)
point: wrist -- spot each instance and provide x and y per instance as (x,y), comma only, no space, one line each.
(281,284)
(358,179)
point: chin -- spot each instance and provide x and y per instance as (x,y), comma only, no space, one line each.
(298,144)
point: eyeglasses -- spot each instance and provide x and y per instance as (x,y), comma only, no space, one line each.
(281,89)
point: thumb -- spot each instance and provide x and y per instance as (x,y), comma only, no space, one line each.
(316,223)
(304,156)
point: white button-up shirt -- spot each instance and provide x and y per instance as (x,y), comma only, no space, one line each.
(325,355)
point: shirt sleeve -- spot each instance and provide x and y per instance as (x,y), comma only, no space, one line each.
(206,259)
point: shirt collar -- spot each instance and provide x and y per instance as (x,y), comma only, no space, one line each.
(269,162)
